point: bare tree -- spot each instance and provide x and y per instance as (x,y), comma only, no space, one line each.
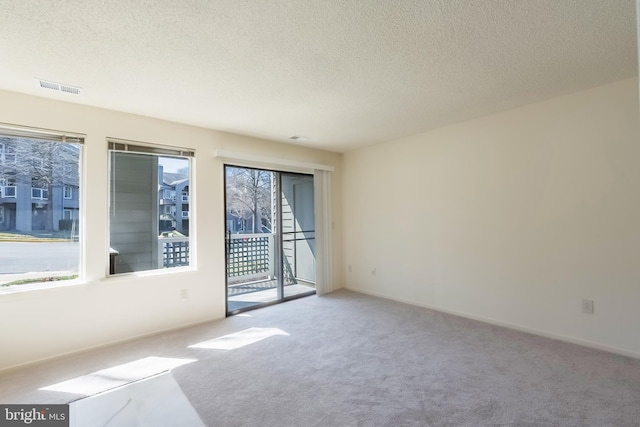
(249,195)
(43,165)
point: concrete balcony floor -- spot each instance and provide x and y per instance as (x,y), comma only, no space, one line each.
(245,295)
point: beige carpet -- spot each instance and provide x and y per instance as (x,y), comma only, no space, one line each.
(348,359)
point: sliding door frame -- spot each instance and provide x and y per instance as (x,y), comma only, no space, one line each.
(323,195)
(278,246)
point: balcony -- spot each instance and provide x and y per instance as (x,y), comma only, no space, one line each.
(252,275)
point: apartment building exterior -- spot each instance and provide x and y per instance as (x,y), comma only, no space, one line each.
(173,201)
(39,186)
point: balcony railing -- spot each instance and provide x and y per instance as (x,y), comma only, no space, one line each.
(173,251)
(250,257)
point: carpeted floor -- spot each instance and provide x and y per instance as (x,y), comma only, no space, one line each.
(348,359)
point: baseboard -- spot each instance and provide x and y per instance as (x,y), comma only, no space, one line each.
(514,326)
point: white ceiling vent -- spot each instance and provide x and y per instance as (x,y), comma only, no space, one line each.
(60,87)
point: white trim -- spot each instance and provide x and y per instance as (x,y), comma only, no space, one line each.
(577,341)
(253,160)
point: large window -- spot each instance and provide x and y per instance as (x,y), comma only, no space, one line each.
(39,230)
(145,232)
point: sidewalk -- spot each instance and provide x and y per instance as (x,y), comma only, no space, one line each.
(7,278)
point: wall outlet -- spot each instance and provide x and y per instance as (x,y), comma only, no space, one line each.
(349,268)
(184,294)
(373,272)
(587,306)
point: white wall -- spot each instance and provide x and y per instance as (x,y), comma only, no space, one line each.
(511,218)
(45,323)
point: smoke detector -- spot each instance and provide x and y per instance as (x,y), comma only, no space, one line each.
(59,87)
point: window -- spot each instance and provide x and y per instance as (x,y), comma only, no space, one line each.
(48,238)
(68,192)
(39,193)
(67,214)
(7,154)
(8,191)
(143,232)
(185,196)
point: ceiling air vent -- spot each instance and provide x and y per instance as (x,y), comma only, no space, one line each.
(60,87)
(299,138)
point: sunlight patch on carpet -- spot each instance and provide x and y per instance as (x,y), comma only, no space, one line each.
(107,379)
(151,402)
(240,339)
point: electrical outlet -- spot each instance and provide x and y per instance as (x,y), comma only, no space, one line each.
(184,294)
(587,306)
(349,268)
(373,272)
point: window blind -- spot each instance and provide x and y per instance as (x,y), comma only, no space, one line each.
(40,134)
(144,148)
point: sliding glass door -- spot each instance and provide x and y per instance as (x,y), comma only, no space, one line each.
(298,233)
(270,237)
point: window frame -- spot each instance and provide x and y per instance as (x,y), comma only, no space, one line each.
(117,145)
(36,136)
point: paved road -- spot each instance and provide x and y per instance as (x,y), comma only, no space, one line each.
(22,257)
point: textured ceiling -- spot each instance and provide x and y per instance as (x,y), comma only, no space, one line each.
(344,73)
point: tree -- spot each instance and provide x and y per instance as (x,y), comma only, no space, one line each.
(249,195)
(44,165)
